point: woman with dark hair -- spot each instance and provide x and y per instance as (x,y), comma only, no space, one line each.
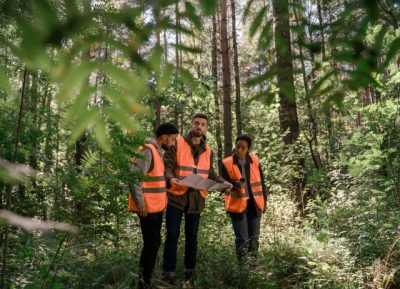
(246,202)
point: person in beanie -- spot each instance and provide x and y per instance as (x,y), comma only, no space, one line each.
(191,155)
(148,197)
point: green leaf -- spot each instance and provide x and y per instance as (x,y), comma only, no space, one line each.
(319,83)
(255,25)
(188,48)
(124,101)
(165,78)
(100,131)
(128,80)
(122,118)
(74,78)
(266,36)
(266,97)
(190,12)
(79,108)
(155,58)
(372,8)
(261,78)
(187,77)
(393,49)
(247,9)
(209,6)
(81,125)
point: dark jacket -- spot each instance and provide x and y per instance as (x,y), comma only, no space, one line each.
(191,201)
(253,209)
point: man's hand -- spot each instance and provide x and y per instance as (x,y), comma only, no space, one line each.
(228,184)
(175,183)
(142,211)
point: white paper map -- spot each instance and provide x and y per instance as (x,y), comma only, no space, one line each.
(199,183)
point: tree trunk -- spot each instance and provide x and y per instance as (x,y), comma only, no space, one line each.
(9,187)
(288,119)
(226,80)
(239,124)
(288,110)
(214,64)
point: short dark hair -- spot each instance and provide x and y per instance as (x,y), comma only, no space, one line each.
(166,128)
(200,115)
(246,138)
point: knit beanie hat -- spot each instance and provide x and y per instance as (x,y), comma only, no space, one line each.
(166,128)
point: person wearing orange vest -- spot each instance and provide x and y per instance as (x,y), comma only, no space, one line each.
(192,155)
(246,201)
(148,197)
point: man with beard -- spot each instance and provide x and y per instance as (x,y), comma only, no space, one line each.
(148,198)
(191,155)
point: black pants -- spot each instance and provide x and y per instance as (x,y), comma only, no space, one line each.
(173,225)
(151,233)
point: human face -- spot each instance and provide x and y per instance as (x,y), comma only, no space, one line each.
(168,140)
(241,149)
(199,127)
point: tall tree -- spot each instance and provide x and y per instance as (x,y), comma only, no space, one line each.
(226,80)
(239,124)
(287,111)
(214,64)
(288,119)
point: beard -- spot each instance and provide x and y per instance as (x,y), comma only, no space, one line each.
(197,133)
(165,147)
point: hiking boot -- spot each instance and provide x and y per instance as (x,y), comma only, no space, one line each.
(169,277)
(189,279)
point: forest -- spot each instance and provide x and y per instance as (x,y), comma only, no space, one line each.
(315,83)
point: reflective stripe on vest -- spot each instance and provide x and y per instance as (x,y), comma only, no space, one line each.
(153,185)
(236,200)
(185,165)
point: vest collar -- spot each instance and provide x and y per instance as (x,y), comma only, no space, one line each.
(249,160)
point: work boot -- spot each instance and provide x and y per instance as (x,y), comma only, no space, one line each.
(169,277)
(189,279)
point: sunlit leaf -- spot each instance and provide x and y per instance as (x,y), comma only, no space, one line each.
(127,80)
(82,124)
(80,104)
(122,118)
(73,79)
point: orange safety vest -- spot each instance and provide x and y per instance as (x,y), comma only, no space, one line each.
(235,200)
(153,186)
(185,165)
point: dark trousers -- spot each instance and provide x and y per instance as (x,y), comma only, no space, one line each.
(247,233)
(151,233)
(173,225)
